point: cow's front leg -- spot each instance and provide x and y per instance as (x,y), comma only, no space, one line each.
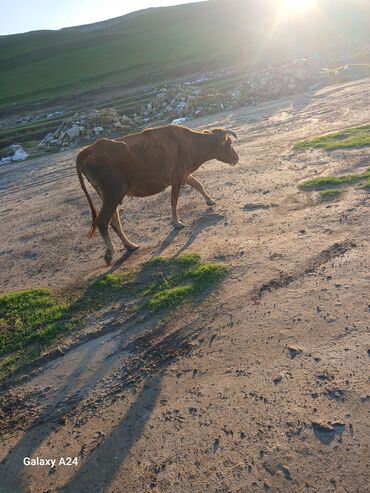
(174,198)
(198,186)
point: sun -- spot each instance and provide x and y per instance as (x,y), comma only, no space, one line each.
(296,6)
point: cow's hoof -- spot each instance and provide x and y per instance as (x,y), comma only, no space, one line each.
(108,257)
(132,246)
(177,224)
(210,202)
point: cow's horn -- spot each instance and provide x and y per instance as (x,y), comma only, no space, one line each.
(230,132)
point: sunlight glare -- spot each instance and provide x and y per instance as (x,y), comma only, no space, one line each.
(296,6)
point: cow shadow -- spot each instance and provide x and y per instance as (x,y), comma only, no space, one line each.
(103,464)
(101,467)
(120,261)
(207,219)
(63,402)
(170,238)
(204,222)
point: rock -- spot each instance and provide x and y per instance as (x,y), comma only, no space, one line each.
(73,132)
(278,380)
(294,352)
(48,137)
(55,142)
(326,432)
(98,130)
(55,114)
(125,120)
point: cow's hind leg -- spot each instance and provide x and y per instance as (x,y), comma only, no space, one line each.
(117,226)
(102,221)
(198,186)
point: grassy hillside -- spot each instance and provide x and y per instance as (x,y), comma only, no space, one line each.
(44,64)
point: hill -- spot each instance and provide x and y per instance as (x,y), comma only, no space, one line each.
(169,41)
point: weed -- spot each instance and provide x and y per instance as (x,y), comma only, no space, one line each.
(330,194)
(326,182)
(170,297)
(350,137)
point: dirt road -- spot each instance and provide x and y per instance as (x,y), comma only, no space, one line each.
(263,387)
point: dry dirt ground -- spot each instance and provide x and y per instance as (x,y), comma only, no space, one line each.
(263,386)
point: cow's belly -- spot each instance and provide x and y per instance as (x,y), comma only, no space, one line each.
(148,189)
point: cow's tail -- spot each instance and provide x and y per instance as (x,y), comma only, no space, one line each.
(82,155)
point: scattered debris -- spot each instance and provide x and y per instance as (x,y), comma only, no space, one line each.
(14,152)
(179,121)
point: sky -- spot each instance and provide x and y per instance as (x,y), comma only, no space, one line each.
(18,16)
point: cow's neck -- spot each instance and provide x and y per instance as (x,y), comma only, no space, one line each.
(203,150)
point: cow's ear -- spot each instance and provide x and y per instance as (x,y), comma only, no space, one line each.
(221,135)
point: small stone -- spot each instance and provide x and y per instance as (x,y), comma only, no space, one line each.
(294,352)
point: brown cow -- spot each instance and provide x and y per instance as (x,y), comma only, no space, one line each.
(144,164)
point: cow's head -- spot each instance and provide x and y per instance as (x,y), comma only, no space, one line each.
(224,150)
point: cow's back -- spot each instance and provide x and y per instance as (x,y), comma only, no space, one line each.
(154,161)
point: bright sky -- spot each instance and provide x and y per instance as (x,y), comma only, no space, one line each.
(19,16)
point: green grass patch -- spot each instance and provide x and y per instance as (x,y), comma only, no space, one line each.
(31,320)
(330,194)
(157,261)
(350,137)
(185,284)
(188,259)
(26,316)
(329,182)
(169,297)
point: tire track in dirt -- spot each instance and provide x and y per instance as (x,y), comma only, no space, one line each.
(284,279)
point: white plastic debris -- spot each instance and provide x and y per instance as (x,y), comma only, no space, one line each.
(19,153)
(178,121)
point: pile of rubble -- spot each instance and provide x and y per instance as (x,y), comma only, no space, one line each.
(182,100)
(270,82)
(85,126)
(185,100)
